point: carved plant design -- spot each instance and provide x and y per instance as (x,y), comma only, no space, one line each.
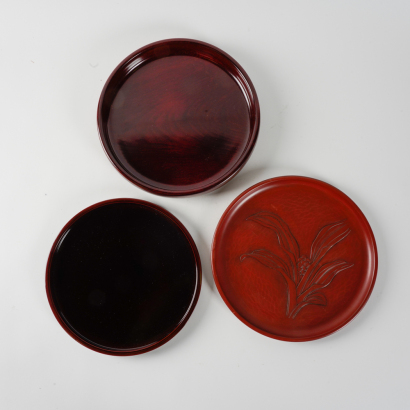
(305,276)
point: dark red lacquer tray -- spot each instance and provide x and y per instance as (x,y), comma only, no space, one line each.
(123,277)
(178,117)
(294,258)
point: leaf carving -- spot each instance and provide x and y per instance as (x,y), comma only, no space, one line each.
(268,259)
(328,271)
(328,237)
(318,299)
(284,234)
(324,276)
(304,281)
(286,240)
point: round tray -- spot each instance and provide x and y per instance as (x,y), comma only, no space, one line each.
(123,277)
(294,258)
(178,117)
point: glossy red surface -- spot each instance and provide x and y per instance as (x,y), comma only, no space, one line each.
(294,258)
(123,277)
(178,117)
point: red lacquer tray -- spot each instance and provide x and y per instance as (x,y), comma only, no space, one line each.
(123,277)
(294,258)
(178,117)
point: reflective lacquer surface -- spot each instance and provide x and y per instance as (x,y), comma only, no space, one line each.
(123,277)
(178,117)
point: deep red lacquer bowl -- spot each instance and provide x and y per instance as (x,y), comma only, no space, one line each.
(178,117)
(294,258)
(123,277)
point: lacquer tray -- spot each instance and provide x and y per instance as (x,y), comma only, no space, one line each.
(294,258)
(123,277)
(178,117)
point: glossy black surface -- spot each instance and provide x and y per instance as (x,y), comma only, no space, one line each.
(123,276)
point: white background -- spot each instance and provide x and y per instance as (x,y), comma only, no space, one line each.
(333,79)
